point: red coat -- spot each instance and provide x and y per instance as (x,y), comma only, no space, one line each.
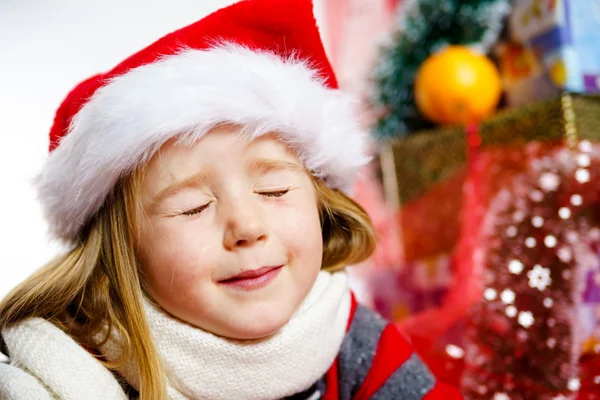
(387,366)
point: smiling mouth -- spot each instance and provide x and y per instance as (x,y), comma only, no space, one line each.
(253,279)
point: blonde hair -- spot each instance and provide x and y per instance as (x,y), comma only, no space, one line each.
(97,284)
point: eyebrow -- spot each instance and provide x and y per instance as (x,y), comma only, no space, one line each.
(265,165)
(200,178)
(196,180)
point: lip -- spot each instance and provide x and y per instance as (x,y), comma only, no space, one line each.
(253,279)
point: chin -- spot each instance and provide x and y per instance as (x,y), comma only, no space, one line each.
(258,327)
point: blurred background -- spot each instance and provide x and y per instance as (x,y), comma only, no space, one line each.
(484,117)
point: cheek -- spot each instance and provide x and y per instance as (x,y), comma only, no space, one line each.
(174,261)
(305,235)
(300,230)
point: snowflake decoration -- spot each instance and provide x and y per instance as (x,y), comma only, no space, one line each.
(526,319)
(574,384)
(511,311)
(489,294)
(537,221)
(515,267)
(518,216)
(530,242)
(507,296)
(576,200)
(582,175)
(564,254)
(550,241)
(564,213)
(549,182)
(583,160)
(536,196)
(539,277)
(455,351)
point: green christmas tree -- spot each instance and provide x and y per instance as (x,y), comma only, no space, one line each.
(423,27)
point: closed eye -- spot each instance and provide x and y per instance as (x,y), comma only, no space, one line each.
(274,193)
(196,210)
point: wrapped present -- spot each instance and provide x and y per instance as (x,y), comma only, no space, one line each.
(555,46)
(514,208)
(532,239)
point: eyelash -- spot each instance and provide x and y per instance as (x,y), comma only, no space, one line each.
(198,210)
(276,193)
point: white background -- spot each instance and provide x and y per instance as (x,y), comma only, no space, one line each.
(46,47)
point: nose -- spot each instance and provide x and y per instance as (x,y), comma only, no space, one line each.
(245,226)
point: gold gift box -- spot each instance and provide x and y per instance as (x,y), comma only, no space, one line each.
(423,174)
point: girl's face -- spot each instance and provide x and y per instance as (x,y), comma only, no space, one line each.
(232,241)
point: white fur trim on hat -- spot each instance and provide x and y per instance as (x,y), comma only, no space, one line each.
(127,120)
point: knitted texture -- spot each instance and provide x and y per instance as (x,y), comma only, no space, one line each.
(46,363)
(16,384)
(202,365)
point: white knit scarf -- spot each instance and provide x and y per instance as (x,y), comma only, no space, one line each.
(201,365)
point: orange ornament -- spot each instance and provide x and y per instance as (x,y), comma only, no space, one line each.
(457,86)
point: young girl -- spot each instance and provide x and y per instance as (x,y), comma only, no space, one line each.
(201,185)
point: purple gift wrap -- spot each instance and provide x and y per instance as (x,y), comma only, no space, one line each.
(560,49)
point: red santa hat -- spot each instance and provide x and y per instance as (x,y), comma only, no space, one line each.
(259,64)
